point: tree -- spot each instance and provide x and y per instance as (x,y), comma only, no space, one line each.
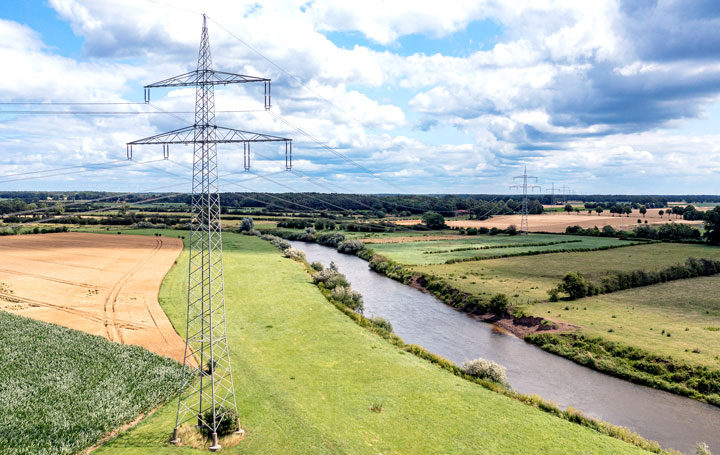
(575,285)
(661,213)
(599,210)
(568,208)
(643,210)
(627,209)
(433,220)
(712,226)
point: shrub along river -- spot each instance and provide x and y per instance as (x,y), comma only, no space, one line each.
(674,421)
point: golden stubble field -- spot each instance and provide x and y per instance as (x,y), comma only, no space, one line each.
(101,284)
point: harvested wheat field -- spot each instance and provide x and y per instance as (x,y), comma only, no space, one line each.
(557,222)
(101,284)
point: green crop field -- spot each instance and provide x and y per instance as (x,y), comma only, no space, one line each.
(306,377)
(526,278)
(62,390)
(680,319)
(438,252)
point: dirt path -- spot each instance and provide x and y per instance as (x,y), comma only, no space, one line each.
(101,284)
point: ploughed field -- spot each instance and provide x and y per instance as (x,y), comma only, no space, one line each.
(307,379)
(104,285)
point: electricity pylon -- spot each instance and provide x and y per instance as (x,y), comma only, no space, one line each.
(207,394)
(524,186)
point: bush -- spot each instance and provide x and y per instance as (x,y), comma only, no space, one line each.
(351,247)
(494,231)
(330,278)
(348,297)
(575,285)
(228,422)
(317,265)
(702,449)
(511,230)
(381,323)
(246,225)
(499,304)
(485,369)
(294,253)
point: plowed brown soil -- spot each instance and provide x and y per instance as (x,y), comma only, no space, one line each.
(101,284)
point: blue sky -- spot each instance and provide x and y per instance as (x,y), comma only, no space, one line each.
(607,97)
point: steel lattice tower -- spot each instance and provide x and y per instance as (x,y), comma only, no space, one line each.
(207,393)
(524,227)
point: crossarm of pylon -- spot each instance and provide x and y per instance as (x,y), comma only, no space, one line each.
(205,77)
(222,135)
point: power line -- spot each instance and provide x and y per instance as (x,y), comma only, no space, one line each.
(74,172)
(61,168)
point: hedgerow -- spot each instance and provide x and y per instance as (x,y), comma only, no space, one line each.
(576,286)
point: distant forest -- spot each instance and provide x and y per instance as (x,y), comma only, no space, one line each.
(477,205)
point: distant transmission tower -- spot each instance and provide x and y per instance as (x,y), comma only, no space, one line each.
(524,186)
(552,194)
(565,191)
(207,394)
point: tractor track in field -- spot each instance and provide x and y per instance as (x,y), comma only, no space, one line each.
(111,320)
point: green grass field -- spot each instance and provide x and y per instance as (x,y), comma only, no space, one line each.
(689,310)
(526,278)
(306,377)
(440,251)
(62,390)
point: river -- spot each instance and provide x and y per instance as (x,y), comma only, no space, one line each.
(420,318)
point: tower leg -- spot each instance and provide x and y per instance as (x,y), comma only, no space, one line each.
(175,440)
(216,445)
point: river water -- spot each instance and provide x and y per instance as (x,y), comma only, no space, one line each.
(674,421)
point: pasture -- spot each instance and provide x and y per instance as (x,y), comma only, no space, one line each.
(307,379)
(62,389)
(528,278)
(679,319)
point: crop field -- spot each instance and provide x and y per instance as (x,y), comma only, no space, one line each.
(526,278)
(558,221)
(680,319)
(101,284)
(488,246)
(62,389)
(322,403)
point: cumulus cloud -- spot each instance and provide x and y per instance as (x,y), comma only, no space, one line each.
(569,87)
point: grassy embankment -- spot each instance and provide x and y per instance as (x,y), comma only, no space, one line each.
(306,377)
(62,390)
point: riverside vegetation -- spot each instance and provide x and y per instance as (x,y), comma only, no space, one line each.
(659,365)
